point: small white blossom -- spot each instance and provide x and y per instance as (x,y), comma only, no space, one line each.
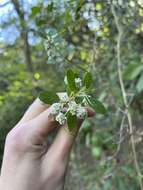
(63,97)
(55,108)
(72,107)
(61,118)
(81,112)
(78,82)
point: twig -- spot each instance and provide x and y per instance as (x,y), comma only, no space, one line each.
(5,4)
(124,95)
(121,136)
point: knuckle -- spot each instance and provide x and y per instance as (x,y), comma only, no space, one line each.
(15,138)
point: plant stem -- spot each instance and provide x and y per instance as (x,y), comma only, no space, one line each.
(124,94)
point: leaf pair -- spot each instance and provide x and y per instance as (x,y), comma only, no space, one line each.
(71,76)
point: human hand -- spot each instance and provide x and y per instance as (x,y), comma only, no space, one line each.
(29,163)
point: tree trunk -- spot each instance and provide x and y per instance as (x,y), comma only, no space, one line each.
(27,51)
(24,34)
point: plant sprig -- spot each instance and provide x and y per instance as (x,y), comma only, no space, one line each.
(69,106)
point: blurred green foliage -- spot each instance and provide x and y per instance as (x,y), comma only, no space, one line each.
(82,36)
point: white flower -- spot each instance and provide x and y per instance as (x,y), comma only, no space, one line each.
(81,112)
(55,108)
(72,107)
(63,97)
(78,82)
(61,118)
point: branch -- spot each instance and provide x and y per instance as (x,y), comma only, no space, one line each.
(5,4)
(124,94)
(18,9)
(121,137)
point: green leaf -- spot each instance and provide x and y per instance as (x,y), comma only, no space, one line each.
(67,17)
(48,97)
(71,121)
(83,55)
(40,22)
(35,10)
(68,91)
(78,9)
(96,105)
(139,85)
(50,7)
(87,80)
(79,99)
(71,80)
(132,71)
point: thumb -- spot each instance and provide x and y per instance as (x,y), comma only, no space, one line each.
(65,139)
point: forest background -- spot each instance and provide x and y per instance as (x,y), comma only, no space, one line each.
(104,37)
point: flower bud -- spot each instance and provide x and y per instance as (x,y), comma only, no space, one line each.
(61,118)
(81,112)
(55,108)
(63,97)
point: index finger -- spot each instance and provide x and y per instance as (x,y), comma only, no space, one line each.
(33,111)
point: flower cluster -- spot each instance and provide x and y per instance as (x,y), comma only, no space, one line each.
(55,108)
(61,118)
(60,110)
(67,107)
(57,48)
